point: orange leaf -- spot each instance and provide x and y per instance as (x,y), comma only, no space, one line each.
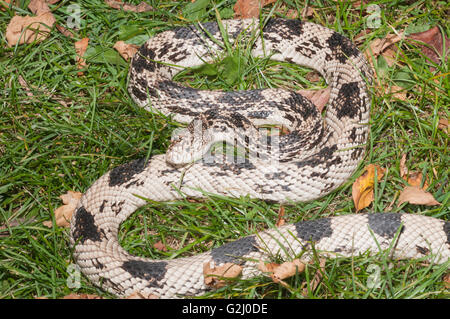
(362,189)
(80,48)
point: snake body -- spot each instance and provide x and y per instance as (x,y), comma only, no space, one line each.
(315,158)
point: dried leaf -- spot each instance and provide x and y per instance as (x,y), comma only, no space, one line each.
(443,125)
(307,12)
(403,168)
(282,271)
(377,46)
(317,277)
(362,189)
(38,7)
(160,246)
(29,29)
(417,196)
(64,31)
(141,7)
(433,46)
(318,97)
(390,56)
(80,48)
(63,214)
(127,51)
(215,277)
(249,8)
(413,178)
(396,91)
(280,220)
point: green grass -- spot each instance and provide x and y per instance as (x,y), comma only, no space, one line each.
(73,129)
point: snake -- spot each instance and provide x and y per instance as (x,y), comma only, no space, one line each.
(316,156)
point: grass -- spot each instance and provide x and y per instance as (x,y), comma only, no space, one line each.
(72,129)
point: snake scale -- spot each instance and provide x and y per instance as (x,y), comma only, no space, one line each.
(314,158)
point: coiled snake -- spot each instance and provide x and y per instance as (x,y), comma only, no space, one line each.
(309,162)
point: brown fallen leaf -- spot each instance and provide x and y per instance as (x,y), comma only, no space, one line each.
(280,219)
(28,29)
(417,196)
(396,91)
(282,271)
(431,43)
(383,46)
(362,188)
(413,178)
(308,12)
(318,97)
(443,124)
(64,31)
(63,214)
(249,8)
(127,51)
(215,277)
(317,277)
(377,46)
(38,7)
(160,246)
(141,7)
(80,48)
(403,168)
(390,55)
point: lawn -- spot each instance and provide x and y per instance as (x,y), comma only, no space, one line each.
(62,127)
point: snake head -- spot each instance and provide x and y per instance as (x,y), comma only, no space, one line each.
(196,141)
